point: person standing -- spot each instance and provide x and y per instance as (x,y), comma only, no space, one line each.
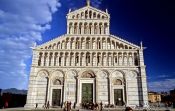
(6,104)
(69,106)
(48,105)
(101,106)
(65,105)
(36,105)
(44,106)
(74,105)
(61,104)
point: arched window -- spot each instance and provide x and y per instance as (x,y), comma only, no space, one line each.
(98,45)
(77,46)
(98,16)
(88,44)
(45,58)
(136,60)
(100,28)
(98,59)
(55,59)
(70,28)
(75,28)
(130,60)
(87,58)
(50,59)
(105,28)
(85,28)
(59,61)
(90,26)
(82,15)
(95,28)
(73,17)
(49,47)
(90,14)
(120,59)
(115,59)
(39,60)
(80,26)
(78,16)
(77,59)
(94,15)
(86,14)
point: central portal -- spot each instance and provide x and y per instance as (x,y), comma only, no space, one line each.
(56,97)
(87,92)
(118,97)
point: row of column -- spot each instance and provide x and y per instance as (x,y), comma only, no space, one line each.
(88,28)
(88,43)
(87,59)
(88,14)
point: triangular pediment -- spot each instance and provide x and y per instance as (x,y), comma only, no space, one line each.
(83,10)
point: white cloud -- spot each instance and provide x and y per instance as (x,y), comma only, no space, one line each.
(22,22)
(162,85)
(163,76)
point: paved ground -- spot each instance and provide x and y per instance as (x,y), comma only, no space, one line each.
(58,109)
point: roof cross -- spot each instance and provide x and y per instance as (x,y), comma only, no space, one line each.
(88,2)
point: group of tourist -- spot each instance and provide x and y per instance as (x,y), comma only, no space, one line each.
(45,106)
(67,106)
(92,106)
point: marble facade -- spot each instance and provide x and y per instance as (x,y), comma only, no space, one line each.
(88,53)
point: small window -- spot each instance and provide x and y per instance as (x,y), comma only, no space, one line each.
(77,59)
(115,59)
(98,59)
(59,61)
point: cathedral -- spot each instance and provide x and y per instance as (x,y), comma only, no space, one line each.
(87,64)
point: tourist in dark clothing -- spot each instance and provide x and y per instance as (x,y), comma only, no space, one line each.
(36,105)
(68,106)
(61,104)
(74,105)
(128,109)
(48,105)
(101,106)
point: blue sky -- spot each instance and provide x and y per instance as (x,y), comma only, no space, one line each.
(24,22)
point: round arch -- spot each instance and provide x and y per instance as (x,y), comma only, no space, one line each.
(88,74)
(43,73)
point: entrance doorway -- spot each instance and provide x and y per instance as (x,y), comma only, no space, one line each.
(87,92)
(56,97)
(118,97)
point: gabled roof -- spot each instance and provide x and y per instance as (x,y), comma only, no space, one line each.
(61,38)
(124,41)
(57,39)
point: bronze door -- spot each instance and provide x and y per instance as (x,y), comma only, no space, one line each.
(87,92)
(118,97)
(56,97)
